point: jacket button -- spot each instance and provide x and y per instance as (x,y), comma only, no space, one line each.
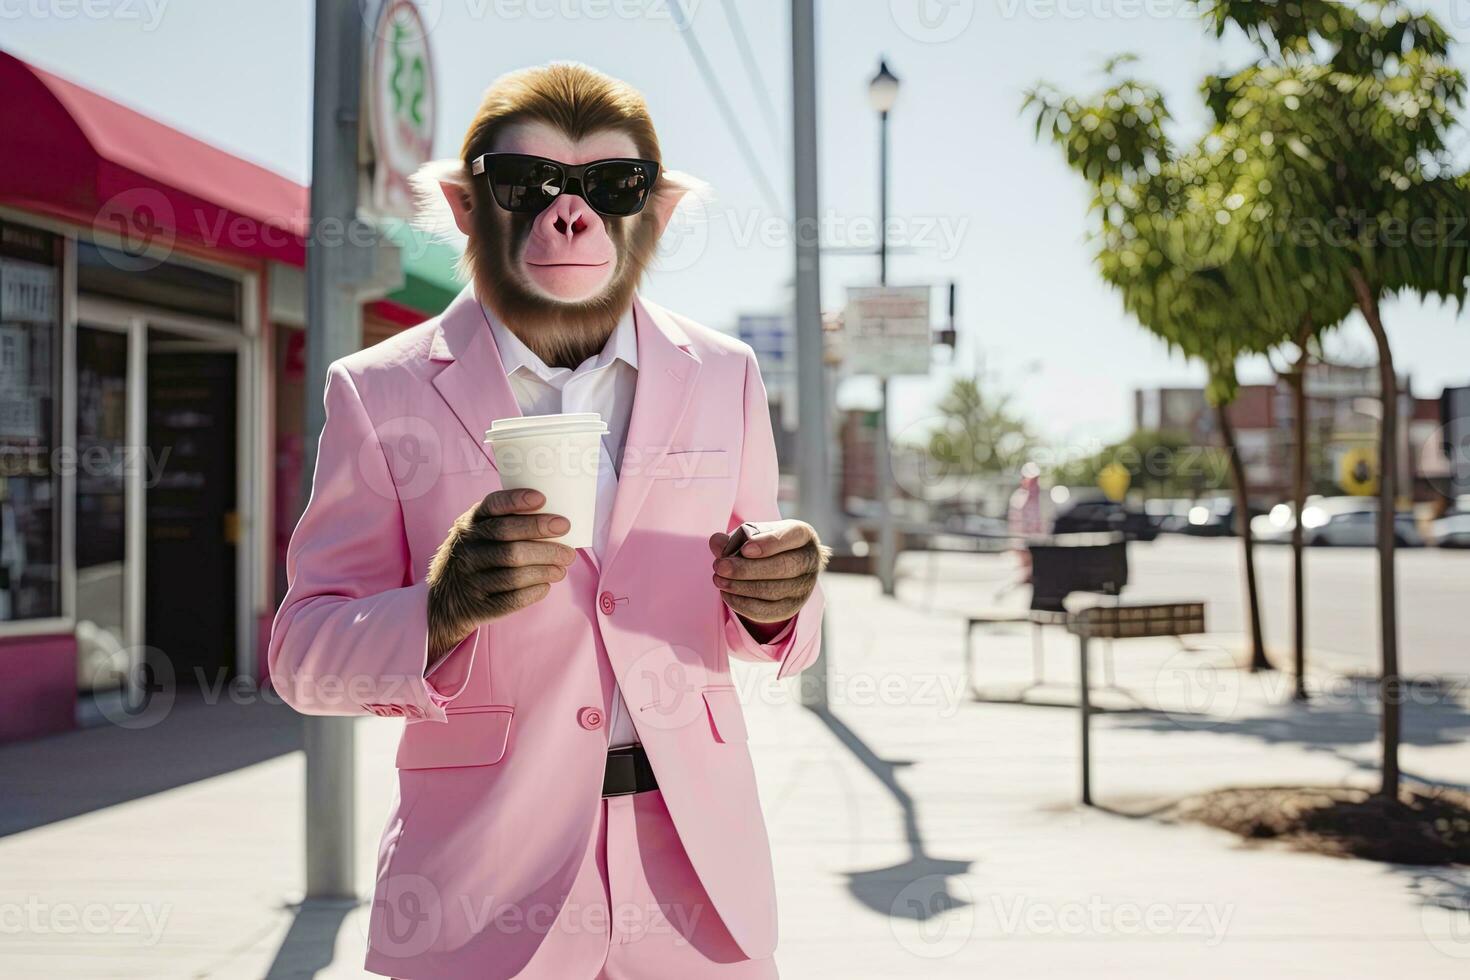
(606,603)
(590,718)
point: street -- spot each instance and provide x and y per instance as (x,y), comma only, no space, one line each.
(1342,596)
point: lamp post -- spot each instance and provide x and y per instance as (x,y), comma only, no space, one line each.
(882,94)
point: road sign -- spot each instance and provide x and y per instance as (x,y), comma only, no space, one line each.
(886,330)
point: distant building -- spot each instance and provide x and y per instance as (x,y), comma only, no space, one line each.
(1342,407)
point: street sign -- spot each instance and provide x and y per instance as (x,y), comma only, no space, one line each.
(400,92)
(886,330)
(770,336)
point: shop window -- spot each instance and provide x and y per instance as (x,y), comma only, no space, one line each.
(30,330)
(103,271)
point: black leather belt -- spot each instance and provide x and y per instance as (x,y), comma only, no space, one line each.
(628,771)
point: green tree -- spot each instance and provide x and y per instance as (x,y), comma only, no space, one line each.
(1160,464)
(979,435)
(1324,185)
(1350,108)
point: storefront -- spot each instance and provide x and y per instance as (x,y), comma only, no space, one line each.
(151,396)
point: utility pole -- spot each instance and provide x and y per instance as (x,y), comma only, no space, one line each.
(811,428)
(333,330)
(883,93)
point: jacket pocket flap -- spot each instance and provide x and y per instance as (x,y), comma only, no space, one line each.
(725,717)
(472,737)
(693,464)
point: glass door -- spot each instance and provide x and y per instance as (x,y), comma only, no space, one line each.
(107,624)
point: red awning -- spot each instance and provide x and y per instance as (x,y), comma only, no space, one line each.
(67,150)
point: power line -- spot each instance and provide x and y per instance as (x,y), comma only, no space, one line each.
(732,121)
(747,58)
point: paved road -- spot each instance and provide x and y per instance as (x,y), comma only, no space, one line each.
(1342,616)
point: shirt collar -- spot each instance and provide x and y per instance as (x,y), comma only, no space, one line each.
(515,355)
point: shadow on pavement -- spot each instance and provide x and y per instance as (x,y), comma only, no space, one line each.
(918,888)
(310,944)
(1345,719)
(62,776)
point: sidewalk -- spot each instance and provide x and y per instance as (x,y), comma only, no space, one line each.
(917,832)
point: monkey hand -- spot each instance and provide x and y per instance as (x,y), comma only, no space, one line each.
(493,562)
(772,576)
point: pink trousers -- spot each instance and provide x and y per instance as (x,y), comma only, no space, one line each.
(660,922)
(636,910)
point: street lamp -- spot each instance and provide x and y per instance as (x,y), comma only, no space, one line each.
(882,95)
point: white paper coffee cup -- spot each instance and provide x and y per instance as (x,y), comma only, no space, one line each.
(559,455)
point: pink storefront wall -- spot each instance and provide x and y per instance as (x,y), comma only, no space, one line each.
(38,685)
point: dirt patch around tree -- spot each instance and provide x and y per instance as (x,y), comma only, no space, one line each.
(1424,826)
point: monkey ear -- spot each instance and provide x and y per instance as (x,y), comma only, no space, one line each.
(458,197)
(673,186)
(442,197)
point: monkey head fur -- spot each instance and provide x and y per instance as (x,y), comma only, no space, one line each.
(560,279)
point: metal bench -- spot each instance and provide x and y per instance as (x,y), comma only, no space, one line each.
(1061,565)
(1129,621)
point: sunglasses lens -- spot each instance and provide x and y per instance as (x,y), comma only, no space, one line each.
(619,188)
(525,184)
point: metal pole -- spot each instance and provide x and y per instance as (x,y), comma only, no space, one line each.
(1084,704)
(883,457)
(811,431)
(333,329)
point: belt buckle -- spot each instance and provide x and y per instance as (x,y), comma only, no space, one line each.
(621,772)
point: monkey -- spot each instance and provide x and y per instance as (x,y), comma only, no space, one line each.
(561,195)
(560,278)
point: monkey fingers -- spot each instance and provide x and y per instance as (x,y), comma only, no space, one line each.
(806,560)
(499,503)
(514,577)
(517,527)
(482,556)
(763,610)
(774,589)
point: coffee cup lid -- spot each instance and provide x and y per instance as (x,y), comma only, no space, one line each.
(521,426)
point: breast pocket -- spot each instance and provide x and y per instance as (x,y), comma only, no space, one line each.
(693,464)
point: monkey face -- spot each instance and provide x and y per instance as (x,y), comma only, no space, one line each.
(568,253)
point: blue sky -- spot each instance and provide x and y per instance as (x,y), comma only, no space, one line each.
(982,203)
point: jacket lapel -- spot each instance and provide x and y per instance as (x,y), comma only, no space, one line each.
(473,384)
(667,372)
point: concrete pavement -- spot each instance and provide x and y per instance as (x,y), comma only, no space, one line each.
(916,832)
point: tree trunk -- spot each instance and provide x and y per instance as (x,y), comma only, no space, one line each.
(1389,682)
(1299,503)
(1243,528)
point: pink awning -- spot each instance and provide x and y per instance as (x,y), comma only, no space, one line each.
(67,150)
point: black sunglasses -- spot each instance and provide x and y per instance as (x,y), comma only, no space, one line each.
(526,185)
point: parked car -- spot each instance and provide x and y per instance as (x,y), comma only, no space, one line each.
(1452,530)
(1359,528)
(1275,526)
(1105,515)
(1169,515)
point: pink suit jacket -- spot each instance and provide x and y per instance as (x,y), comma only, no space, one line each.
(500,764)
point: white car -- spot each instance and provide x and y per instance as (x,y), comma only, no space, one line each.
(1452,531)
(1359,528)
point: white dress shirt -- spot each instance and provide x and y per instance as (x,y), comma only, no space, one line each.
(603,384)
